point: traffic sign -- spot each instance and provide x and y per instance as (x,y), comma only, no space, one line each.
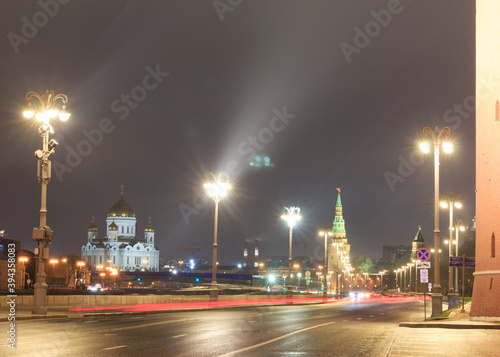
(308,273)
(456,261)
(424,276)
(423,265)
(470,262)
(423,254)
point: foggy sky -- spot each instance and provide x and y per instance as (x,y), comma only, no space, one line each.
(221,77)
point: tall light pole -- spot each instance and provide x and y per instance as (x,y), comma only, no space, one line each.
(382,279)
(80,264)
(449,201)
(23,260)
(436,138)
(326,232)
(291,216)
(53,262)
(459,225)
(216,188)
(46,106)
(416,275)
(409,279)
(404,268)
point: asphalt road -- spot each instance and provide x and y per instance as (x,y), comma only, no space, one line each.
(347,328)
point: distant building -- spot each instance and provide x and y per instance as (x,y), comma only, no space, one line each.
(338,248)
(5,274)
(392,252)
(418,243)
(120,247)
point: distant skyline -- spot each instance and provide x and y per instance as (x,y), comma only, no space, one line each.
(335,93)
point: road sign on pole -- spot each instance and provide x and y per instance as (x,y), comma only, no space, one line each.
(470,262)
(423,265)
(423,254)
(424,276)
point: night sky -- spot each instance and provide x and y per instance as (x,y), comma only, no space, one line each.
(352,105)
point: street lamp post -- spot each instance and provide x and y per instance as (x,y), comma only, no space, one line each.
(405,268)
(416,275)
(23,260)
(458,226)
(382,279)
(53,262)
(450,201)
(47,106)
(216,188)
(438,138)
(80,264)
(291,216)
(409,279)
(326,231)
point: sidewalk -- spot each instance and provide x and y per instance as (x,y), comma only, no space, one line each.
(456,320)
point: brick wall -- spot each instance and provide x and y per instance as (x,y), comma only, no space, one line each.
(486,293)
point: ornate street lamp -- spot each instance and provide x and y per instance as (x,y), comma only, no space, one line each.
(326,232)
(436,138)
(216,188)
(449,201)
(291,216)
(43,108)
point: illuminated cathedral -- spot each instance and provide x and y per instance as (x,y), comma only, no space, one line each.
(121,247)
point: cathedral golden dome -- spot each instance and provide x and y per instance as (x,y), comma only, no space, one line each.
(149,227)
(93,227)
(121,208)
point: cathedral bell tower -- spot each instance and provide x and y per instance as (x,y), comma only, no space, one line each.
(149,234)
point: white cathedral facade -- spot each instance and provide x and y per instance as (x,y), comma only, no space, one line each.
(120,247)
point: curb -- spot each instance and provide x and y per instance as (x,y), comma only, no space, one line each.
(38,317)
(449,325)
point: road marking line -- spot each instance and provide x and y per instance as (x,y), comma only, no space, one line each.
(275,339)
(345,320)
(90,322)
(144,325)
(110,334)
(359,318)
(180,335)
(113,348)
(372,315)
